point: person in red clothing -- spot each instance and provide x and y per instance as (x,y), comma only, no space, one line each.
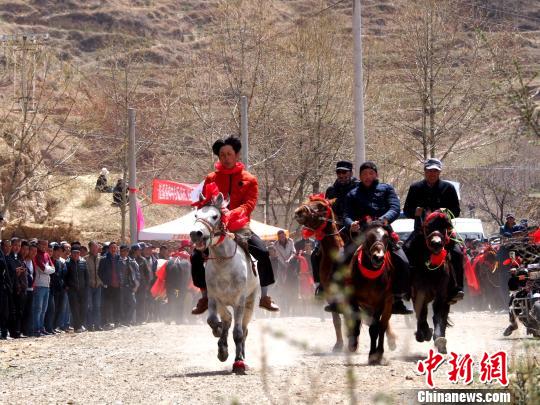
(242,190)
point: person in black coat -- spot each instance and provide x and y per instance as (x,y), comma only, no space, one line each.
(345,182)
(17,270)
(76,284)
(6,292)
(373,200)
(423,198)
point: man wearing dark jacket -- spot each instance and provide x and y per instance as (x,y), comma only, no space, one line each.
(6,290)
(344,183)
(371,200)
(17,271)
(76,283)
(110,276)
(423,198)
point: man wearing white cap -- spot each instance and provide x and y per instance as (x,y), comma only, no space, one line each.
(423,198)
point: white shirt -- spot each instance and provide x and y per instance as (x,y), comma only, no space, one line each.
(284,253)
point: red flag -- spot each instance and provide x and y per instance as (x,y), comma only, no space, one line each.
(170,192)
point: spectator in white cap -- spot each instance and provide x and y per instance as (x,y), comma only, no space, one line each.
(101,183)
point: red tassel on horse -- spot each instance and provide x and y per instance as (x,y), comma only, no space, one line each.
(470,275)
(158,289)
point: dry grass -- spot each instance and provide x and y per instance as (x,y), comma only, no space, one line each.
(91,199)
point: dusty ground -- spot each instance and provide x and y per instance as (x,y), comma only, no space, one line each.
(157,363)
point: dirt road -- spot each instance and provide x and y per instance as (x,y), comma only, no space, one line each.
(157,363)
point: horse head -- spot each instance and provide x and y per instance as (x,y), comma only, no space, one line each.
(374,239)
(208,221)
(437,228)
(315,214)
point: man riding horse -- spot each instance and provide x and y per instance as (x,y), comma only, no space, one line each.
(344,183)
(371,200)
(423,198)
(241,189)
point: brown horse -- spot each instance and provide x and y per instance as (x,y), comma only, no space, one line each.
(485,266)
(370,275)
(318,219)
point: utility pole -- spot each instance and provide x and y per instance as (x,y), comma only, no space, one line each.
(360,143)
(25,54)
(244,130)
(134,234)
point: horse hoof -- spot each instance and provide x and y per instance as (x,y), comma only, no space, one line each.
(374,359)
(239,367)
(353,347)
(223,354)
(428,335)
(338,347)
(440,344)
(419,336)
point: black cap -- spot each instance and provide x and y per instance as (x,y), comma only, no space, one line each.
(135,247)
(124,247)
(344,165)
(368,165)
(510,216)
(433,163)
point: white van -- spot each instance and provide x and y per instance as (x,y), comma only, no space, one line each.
(467,228)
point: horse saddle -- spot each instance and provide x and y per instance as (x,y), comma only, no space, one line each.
(241,240)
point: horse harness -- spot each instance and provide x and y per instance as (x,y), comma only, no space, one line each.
(222,233)
(319,232)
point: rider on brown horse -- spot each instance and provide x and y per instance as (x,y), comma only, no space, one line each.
(344,183)
(370,200)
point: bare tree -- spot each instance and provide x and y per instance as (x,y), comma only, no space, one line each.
(37,126)
(442,88)
(122,76)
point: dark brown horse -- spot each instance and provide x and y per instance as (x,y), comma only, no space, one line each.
(430,279)
(485,266)
(318,219)
(370,275)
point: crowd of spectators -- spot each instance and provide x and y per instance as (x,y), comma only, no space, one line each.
(50,288)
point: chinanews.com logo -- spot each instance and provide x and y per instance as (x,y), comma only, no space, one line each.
(491,369)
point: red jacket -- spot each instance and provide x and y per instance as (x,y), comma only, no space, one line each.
(238,185)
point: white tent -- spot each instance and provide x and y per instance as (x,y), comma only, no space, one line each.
(180,228)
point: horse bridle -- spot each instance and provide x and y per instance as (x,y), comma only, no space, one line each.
(221,231)
(327,218)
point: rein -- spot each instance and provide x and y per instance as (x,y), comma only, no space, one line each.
(213,233)
(319,232)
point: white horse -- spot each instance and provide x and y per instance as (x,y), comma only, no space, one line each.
(230,280)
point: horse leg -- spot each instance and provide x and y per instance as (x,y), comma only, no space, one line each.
(238,336)
(384,328)
(423,332)
(440,320)
(374,333)
(248,312)
(223,352)
(339,335)
(213,319)
(391,337)
(353,330)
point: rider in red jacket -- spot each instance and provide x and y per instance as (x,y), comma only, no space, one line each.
(242,190)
